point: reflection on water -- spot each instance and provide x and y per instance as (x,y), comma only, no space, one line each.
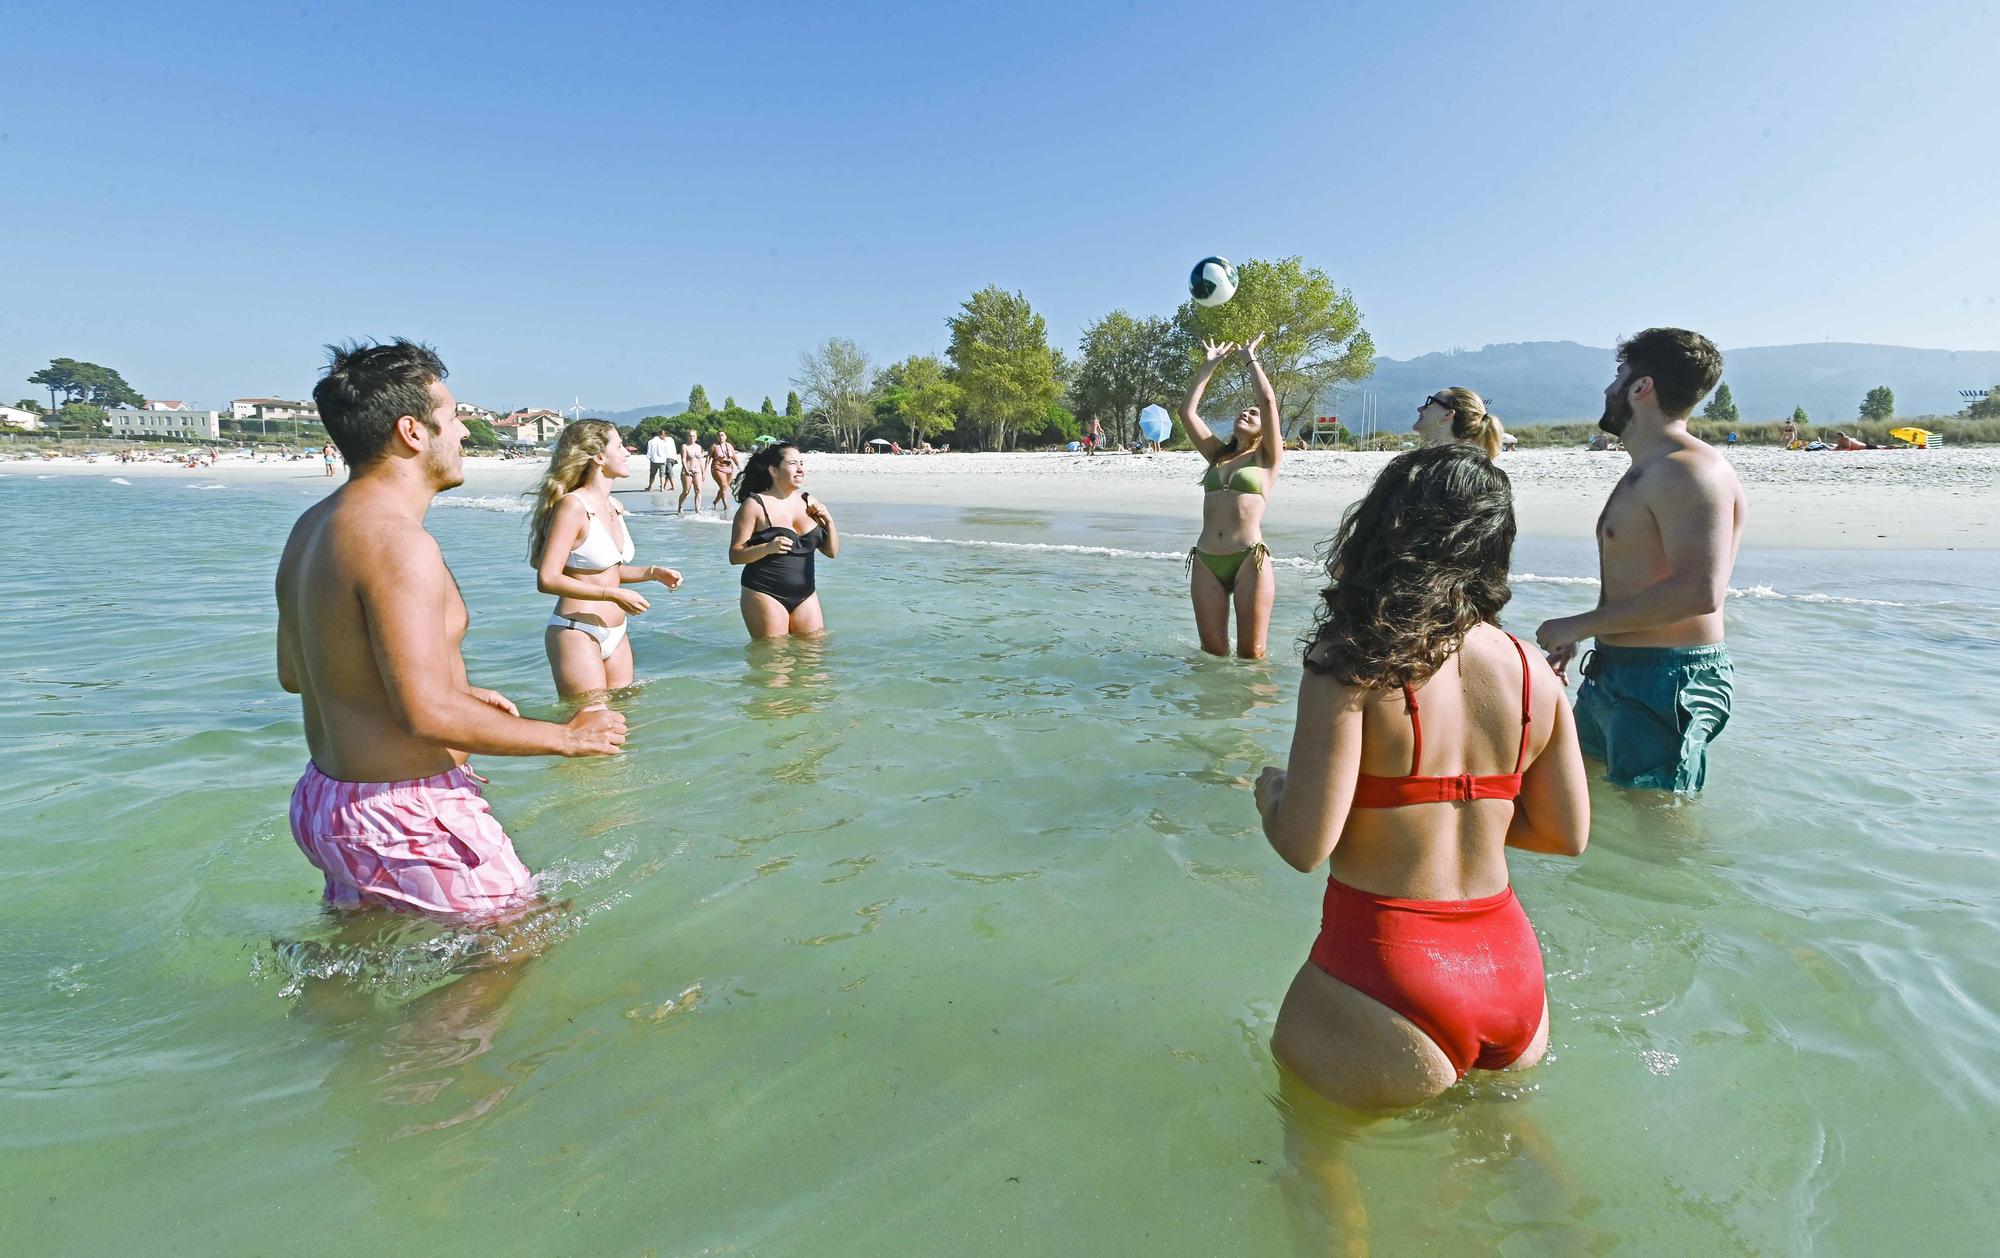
(788,677)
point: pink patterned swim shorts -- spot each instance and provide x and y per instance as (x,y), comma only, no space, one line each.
(425,846)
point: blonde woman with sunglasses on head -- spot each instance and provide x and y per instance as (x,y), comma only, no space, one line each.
(582,553)
(1457,414)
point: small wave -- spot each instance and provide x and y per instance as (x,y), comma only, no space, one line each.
(120,480)
(1766,592)
(1298,563)
(205,486)
(1762,592)
(485,502)
(1530,578)
(1109,552)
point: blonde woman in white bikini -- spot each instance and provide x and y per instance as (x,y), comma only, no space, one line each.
(582,552)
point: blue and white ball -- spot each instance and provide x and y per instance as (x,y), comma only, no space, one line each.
(1212,282)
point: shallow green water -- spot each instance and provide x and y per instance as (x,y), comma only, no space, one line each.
(956,931)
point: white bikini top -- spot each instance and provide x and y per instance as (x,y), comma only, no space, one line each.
(598,551)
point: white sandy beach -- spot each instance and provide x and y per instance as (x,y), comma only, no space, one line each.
(1875,499)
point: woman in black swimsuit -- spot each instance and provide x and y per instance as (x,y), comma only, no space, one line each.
(778,529)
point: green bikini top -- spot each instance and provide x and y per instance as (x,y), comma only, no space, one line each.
(1248,479)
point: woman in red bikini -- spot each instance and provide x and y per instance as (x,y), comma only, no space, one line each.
(1428,742)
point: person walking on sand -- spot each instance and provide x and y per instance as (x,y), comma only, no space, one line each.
(660,461)
(1429,741)
(777,531)
(326,457)
(582,551)
(370,624)
(1095,441)
(1788,434)
(721,467)
(1657,685)
(1457,414)
(691,469)
(1235,489)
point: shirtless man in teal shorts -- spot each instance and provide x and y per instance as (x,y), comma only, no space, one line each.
(1657,684)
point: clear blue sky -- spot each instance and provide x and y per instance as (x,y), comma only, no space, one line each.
(619,202)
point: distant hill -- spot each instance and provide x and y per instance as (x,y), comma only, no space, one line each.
(625,419)
(1536,382)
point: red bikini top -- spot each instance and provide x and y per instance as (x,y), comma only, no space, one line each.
(1371,791)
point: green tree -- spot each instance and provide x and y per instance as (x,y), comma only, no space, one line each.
(836,384)
(1061,424)
(1313,335)
(643,431)
(767,408)
(1721,408)
(31,406)
(80,381)
(793,407)
(60,376)
(1001,361)
(1799,416)
(1880,404)
(747,425)
(698,402)
(919,395)
(1987,407)
(1127,363)
(82,416)
(728,403)
(480,433)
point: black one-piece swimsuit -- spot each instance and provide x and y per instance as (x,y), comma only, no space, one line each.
(787,577)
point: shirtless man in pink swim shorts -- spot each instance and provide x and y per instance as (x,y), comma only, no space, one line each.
(369,627)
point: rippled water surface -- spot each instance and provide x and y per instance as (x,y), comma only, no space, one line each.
(954,932)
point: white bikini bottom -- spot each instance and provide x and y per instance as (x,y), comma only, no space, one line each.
(608,636)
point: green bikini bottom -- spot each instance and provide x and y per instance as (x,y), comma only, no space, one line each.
(1225,567)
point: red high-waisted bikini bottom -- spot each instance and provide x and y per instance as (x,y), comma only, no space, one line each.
(1468,973)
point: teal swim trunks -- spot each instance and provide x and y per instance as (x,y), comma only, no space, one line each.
(1649,713)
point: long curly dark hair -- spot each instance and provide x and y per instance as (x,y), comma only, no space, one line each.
(759,472)
(1416,564)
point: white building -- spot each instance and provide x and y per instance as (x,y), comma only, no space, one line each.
(273,409)
(537,427)
(138,425)
(167,404)
(18,418)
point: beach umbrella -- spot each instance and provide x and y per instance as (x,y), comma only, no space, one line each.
(879,441)
(1154,424)
(1912,434)
(765,438)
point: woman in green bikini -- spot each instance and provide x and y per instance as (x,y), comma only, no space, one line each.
(1228,565)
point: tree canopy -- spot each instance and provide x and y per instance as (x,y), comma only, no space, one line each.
(1721,407)
(767,408)
(1987,407)
(1313,335)
(1799,415)
(1879,404)
(836,384)
(643,431)
(920,395)
(85,382)
(84,415)
(793,407)
(480,434)
(1001,362)
(698,401)
(1127,364)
